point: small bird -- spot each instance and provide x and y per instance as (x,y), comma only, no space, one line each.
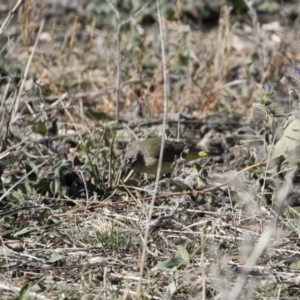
(143,156)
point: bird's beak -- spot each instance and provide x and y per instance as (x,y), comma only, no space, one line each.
(202,154)
(208,154)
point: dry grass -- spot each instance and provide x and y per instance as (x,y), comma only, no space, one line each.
(78,81)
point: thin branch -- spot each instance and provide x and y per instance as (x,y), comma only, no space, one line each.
(178,194)
(118,74)
(265,237)
(10,16)
(20,88)
(256,25)
(150,211)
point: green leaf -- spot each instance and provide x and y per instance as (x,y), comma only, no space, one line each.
(24,292)
(28,188)
(287,148)
(42,185)
(24,231)
(169,263)
(289,142)
(295,265)
(53,187)
(183,253)
(55,257)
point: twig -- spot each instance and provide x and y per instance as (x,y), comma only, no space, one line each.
(10,16)
(150,211)
(123,202)
(118,75)
(256,25)
(264,239)
(20,88)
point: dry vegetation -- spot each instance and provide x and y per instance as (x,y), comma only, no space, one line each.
(79,80)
